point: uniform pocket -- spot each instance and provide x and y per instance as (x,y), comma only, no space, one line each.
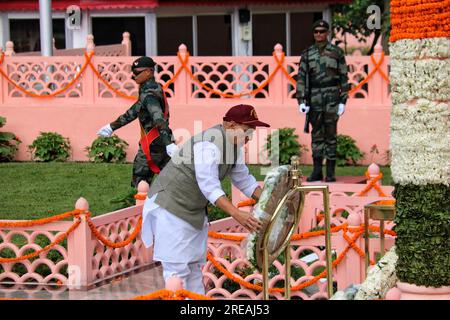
(331,65)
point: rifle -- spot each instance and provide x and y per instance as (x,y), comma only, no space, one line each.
(307,95)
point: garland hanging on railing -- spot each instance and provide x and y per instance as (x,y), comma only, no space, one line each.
(185,67)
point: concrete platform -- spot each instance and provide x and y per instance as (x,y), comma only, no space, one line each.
(122,288)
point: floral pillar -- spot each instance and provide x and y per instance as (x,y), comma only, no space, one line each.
(420,144)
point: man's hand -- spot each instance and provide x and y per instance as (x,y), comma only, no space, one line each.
(303,109)
(171,149)
(341,109)
(105,131)
(247,220)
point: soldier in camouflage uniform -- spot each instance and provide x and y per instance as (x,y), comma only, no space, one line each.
(150,110)
(322,91)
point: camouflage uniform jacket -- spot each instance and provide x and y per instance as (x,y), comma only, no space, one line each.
(150,110)
(326,69)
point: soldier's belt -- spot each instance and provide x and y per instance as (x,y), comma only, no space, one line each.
(320,85)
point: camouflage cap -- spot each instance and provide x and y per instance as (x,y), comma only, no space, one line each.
(322,24)
(143,62)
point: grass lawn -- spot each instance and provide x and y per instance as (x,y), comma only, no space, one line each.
(31,190)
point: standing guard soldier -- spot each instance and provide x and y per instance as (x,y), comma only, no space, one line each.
(322,91)
(152,109)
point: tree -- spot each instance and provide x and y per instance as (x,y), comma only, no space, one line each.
(353,19)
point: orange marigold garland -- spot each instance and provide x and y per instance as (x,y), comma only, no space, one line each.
(413,19)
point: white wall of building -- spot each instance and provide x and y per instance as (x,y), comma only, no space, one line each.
(77,38)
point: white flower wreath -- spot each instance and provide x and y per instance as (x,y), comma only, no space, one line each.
(273,177)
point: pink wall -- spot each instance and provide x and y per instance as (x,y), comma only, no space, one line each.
(85,107)
(367,126)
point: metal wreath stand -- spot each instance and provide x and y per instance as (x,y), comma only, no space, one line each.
(296,189)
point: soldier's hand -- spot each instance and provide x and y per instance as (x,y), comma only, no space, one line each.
(105,131)
(341,109)
(171,149)
(303,109)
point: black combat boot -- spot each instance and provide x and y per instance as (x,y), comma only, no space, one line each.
(330,171)
(316,175)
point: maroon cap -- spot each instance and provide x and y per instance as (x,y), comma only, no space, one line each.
(244,114)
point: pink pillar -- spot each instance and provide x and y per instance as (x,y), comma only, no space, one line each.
(182,88)
(89,89)
(9,49)
(174,284)
(375,88)
(277,88)
(126,42)
(1,77)
(352,264)
(374,171)
(79,251)
(142,189)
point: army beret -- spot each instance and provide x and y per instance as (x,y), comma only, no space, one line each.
(322,24)
(143,62)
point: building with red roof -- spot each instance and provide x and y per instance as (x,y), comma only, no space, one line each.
(158,27)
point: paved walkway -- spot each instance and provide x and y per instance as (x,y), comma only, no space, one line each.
(123,288)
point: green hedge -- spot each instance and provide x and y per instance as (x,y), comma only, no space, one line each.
(423,234)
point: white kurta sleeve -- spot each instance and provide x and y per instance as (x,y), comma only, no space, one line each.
(206,162)
(241,178)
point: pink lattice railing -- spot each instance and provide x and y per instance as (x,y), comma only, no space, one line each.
(21,241)
(208,75)
(376,91)
(344,198)
(82,260)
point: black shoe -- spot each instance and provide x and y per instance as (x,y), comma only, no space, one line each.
(330,171)
(316,175)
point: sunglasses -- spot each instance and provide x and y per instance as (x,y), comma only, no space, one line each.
(137,72)
(320,31)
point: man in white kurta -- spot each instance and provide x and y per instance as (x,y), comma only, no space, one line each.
(180,246)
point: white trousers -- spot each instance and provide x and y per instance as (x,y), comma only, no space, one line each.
(179,246)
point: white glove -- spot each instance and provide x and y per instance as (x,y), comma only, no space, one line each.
(341,109)
(302,108)
(105,131)
(171,149)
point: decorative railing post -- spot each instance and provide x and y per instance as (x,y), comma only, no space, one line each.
(79,251)
(182,88)
(174,283)
(353,264)
(278,87)
(376,83)
(143,188)
(374,172)
(90,89)
(126,42)
(9,49)
(3,91)
(142,191)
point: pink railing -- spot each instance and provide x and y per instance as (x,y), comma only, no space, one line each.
(227,75)
(90,102)
(88,261)
(351,270)
(83,261)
